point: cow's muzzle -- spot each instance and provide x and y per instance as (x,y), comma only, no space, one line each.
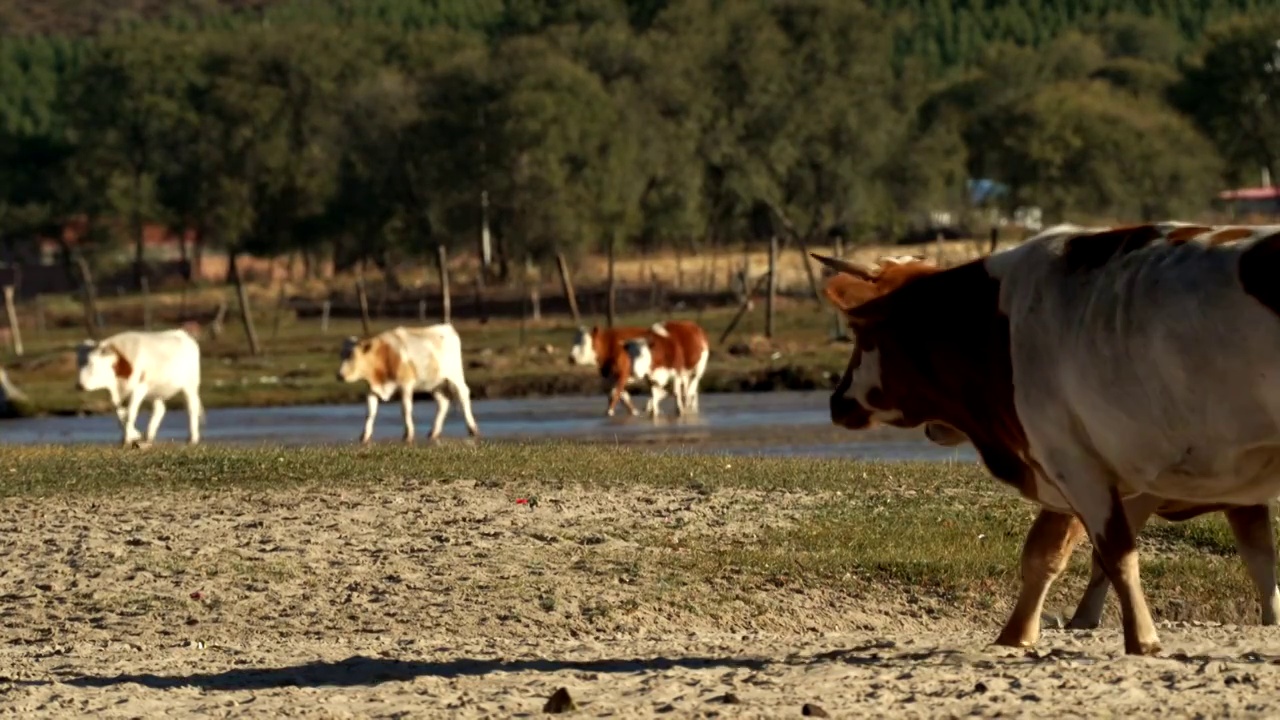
(848,413)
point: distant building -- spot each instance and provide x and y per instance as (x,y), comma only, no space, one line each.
(1240,202)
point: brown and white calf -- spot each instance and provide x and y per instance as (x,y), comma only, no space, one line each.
(602,347)
(675,354)
(1104,373)
(138,366)
(605,348)
(404,360)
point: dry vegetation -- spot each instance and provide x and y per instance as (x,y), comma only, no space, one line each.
(505,357)
(478,579)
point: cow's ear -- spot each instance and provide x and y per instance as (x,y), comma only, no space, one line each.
(846,292)
(868,313)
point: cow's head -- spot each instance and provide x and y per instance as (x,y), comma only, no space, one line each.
(355,356)
(100,366)
(583,351)
(878,384)
(637,350)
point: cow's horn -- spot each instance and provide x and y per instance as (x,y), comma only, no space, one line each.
(845,266)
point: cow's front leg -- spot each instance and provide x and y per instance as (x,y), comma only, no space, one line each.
(157,414)
(406,409)
(656,395)
(131,434)
(1045,554)
(616,393)
(1098,504)
(1088,614)
(1256,542)
(371,405)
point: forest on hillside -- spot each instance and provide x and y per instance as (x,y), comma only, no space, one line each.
(378,129)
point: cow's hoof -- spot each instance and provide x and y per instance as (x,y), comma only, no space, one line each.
(1016,640)
(140,444)
(474,432)
(1150,647)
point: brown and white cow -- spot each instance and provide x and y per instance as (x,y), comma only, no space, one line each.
(605,348)
(1090,366)
(404,360)
(674,354)
(137,366)
(1055,533)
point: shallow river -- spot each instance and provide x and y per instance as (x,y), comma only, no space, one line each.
(771,423)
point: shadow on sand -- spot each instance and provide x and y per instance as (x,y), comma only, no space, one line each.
(365,671)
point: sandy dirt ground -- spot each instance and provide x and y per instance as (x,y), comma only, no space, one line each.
(428,600)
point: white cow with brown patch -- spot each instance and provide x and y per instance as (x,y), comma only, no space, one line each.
(405,360)
(1092,369)
(138,366)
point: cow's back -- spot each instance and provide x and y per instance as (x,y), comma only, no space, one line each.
(1151,352)
(434,352)
(167,360)
(690,340)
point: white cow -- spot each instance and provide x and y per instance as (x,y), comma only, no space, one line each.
(137,366)
(405,360)
(1090,367)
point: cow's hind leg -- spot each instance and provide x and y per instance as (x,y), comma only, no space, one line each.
(1088,614)
(371,408)
(157,414)
(1255,540)
(462,393)
(1045,554)
(441,396)
(1098,504)
(681,384)
(406,409)
(195,413)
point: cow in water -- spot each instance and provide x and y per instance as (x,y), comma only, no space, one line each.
(605,348)
(672,354)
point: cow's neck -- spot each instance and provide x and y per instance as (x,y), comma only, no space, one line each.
(972,382)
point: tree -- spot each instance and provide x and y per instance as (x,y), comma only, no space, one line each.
(1233,92)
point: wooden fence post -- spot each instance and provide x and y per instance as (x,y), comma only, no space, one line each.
(742,309)
(12,311)
(566,282)
(612,310)
(275,322)
(838,327)
(363,297)
(446,299)
(533,279)
(246,313)
(92,317)
(42,323)
(772,297)
(145,285)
